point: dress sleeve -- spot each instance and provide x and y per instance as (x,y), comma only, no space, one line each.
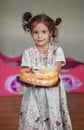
(60,56)
(26,61)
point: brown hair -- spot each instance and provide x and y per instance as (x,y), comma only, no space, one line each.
(29,22)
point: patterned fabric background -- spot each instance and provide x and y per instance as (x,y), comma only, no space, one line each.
(72,75)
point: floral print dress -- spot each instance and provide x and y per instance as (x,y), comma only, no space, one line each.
(44,108)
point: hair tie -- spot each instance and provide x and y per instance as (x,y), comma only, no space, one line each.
(30,19)
(54,20)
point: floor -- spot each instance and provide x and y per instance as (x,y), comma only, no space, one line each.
(10,105)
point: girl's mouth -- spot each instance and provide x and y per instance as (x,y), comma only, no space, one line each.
(40,40)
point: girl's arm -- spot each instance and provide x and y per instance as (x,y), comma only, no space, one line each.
(58,65)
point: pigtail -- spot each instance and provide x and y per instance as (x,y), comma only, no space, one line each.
(57,21)
(55,29)
(25,20)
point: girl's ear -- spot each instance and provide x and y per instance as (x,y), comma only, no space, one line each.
(50,33)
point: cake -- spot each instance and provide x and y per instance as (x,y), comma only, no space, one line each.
(39,77)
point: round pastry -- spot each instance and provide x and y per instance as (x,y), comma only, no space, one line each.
(39,77)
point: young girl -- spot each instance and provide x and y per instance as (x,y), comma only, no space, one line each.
(43,108)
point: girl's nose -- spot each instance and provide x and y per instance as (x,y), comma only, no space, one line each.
(39,35)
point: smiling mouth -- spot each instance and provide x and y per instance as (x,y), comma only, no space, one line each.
(40,40)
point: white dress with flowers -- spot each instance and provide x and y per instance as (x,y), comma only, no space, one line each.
(44,108)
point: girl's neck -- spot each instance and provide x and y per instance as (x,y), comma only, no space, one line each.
(43,50)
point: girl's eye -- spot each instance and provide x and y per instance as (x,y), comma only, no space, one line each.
(44,31)
(35,32)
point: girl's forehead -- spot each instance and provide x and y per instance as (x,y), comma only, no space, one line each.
(40,25)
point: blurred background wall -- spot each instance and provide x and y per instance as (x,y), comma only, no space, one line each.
(13,39)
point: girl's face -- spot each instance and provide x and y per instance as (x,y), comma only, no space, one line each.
(41,34)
